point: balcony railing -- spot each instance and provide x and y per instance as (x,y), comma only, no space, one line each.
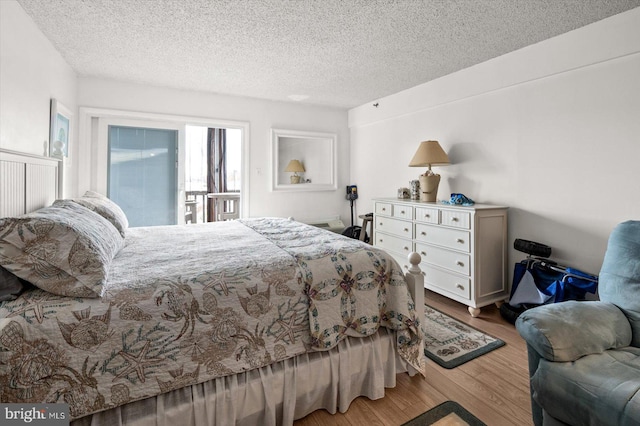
(226,206)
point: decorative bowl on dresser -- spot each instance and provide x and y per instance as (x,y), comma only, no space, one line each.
(463,248)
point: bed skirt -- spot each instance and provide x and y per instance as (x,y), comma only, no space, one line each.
(276,394)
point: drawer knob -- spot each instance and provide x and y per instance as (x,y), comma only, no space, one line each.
(459,263)
(380,240)
(384,209)
(423,253)
(380,223)
(406,248)
(460,240)
(423,233)
(454,219)
(427,215)
(402,212)
(406,229)
(460,286)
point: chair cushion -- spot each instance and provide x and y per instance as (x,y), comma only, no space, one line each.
(620,274)
(569,330)
(601,389)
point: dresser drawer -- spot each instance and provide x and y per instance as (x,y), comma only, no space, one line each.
(456,219)
(402,212)
(397,227)
(451,238)
(394,244)
(403,261)
(383,209)
(427,215)
(451,260)
(449,282)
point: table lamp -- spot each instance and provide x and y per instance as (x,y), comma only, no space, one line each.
(294,166)
(429,153)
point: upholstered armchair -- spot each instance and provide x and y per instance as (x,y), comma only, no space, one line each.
(584,357)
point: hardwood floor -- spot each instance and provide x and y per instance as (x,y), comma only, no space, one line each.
(493,387)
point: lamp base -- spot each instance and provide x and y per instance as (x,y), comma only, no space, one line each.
(295,179)
(429,187)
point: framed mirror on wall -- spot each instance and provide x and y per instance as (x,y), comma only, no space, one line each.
(303,161)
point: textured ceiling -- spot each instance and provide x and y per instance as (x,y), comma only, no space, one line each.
(341,53)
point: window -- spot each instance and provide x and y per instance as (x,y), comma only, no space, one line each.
(94,125)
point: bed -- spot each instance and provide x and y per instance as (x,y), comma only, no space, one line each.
(250,321)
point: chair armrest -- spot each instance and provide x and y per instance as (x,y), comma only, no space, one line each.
(566,331)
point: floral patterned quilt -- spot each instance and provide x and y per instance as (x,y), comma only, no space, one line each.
(186,304)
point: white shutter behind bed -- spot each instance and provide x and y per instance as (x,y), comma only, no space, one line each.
(27,182)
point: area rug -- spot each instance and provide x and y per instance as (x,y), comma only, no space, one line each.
(451,343)
(448,413)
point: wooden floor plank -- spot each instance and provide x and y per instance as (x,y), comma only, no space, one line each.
(494,387)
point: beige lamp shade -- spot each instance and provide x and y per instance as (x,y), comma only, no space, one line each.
(429,153)
(294,166)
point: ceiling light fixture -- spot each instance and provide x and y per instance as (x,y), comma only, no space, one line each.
(298,98)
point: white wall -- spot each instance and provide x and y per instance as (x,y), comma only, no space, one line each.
(261,116)
(31,73)
(551,130)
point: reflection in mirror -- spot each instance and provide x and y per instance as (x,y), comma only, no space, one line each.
(303,161)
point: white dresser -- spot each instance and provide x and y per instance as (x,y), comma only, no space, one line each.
(463,249)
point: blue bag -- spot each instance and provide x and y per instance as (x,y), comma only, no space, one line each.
(459,199)
(537,283)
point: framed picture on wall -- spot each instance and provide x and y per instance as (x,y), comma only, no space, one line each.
(60,130)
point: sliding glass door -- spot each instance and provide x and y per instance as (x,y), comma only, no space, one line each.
(142,174)
(213,172)
(140,161)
